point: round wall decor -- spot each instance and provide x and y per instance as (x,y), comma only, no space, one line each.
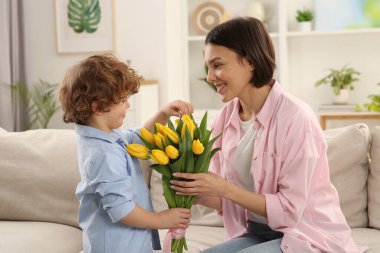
(206,16)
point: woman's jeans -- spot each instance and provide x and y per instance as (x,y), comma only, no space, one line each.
(260,238)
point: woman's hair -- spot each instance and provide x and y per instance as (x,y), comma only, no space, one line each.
(102,79)
(249,39)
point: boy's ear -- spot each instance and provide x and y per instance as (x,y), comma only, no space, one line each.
(94,108)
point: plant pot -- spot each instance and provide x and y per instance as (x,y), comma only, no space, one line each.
(305,26)
(342,98)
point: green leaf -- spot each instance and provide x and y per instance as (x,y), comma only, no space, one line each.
(84,15)
(170,125)
(203,124)
(168,193)
(162,169)
(189,152)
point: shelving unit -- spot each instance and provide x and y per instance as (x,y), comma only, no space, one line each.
(302,57)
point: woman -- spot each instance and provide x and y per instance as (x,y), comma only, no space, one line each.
(270,181)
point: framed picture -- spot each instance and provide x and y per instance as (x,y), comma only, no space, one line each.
(84,26)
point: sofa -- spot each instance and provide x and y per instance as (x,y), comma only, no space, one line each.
(39,174)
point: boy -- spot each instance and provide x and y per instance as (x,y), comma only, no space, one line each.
(115,211)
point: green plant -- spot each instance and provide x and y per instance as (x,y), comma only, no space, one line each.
(304,15)
(84,15)
(340,79)
(39,102)
(374,105)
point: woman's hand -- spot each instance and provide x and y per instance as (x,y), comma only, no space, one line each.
(207,184)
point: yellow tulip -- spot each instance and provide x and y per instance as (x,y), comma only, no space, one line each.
(198,147)
(187,121)
(158,137)
(138,151)
(147,136)
(160,157)
(159,128)
(176,122)
(171,134)
(172,152)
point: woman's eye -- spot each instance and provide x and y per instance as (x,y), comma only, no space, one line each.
(216,66)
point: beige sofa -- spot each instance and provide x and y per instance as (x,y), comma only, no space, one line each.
(39,173)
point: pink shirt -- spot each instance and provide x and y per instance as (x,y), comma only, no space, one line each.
(290,167)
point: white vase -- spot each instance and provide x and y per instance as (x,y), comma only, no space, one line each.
(305,26)
(342,98)
(256,9)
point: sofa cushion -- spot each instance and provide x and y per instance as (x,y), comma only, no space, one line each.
(369,237)
(201,215)
(374,181)
(39,173)
(348,162)
(37,237)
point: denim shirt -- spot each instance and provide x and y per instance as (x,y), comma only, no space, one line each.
(111,185)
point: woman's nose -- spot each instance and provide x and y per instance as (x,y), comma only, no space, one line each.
(210,76)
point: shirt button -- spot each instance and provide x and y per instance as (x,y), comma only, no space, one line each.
(285,247)
(255,158)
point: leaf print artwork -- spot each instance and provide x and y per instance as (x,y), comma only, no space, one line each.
(84,15)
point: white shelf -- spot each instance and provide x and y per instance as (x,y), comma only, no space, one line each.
(330,33)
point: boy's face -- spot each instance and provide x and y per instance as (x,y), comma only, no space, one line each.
(115,117)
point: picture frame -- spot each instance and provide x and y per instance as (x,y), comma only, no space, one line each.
(80,31)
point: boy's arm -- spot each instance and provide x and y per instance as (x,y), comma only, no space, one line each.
(171,218)
(175,108)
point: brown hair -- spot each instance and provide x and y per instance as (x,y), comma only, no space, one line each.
(249,39)
(100,78)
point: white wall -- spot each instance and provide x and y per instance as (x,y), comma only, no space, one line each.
(139,33)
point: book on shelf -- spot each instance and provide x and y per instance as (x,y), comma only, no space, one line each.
(333,107)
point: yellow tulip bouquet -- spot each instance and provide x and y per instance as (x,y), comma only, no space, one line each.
(184,148)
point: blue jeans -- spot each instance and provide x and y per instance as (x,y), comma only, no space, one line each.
(260,238)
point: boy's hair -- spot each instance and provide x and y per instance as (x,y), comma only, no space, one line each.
(249,39)
(102,79)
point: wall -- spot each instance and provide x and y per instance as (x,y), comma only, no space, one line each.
(139,33)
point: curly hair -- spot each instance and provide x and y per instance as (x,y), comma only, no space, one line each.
(102,79)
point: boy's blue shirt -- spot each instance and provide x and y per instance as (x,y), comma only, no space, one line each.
(111,185)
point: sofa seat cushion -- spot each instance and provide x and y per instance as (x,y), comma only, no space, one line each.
(349,168)
(199,238)
(39,174)
(37,237)
(369,237)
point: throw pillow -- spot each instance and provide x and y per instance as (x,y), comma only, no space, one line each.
(39,174)
(374,180)
(348,161)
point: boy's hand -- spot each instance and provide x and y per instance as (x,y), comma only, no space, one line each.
(175,218)
(177,108)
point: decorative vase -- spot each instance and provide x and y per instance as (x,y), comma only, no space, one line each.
(342,98)
(256,9)
(305,26)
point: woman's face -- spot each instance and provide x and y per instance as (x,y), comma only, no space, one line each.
(229,73)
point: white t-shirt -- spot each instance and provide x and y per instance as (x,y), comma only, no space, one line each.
(242,159)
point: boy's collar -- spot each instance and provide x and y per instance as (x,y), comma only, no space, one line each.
(92,132)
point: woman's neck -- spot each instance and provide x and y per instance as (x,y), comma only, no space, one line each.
(252,101)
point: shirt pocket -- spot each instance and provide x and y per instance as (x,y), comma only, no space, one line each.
(268,176)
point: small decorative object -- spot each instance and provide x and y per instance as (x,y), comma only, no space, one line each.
(304,18)
(341,81)
(184,148)
(206,16)
(84,26)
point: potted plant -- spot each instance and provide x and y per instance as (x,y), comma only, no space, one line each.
(39,102)
(373,106)
(304,18)
(341,80)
